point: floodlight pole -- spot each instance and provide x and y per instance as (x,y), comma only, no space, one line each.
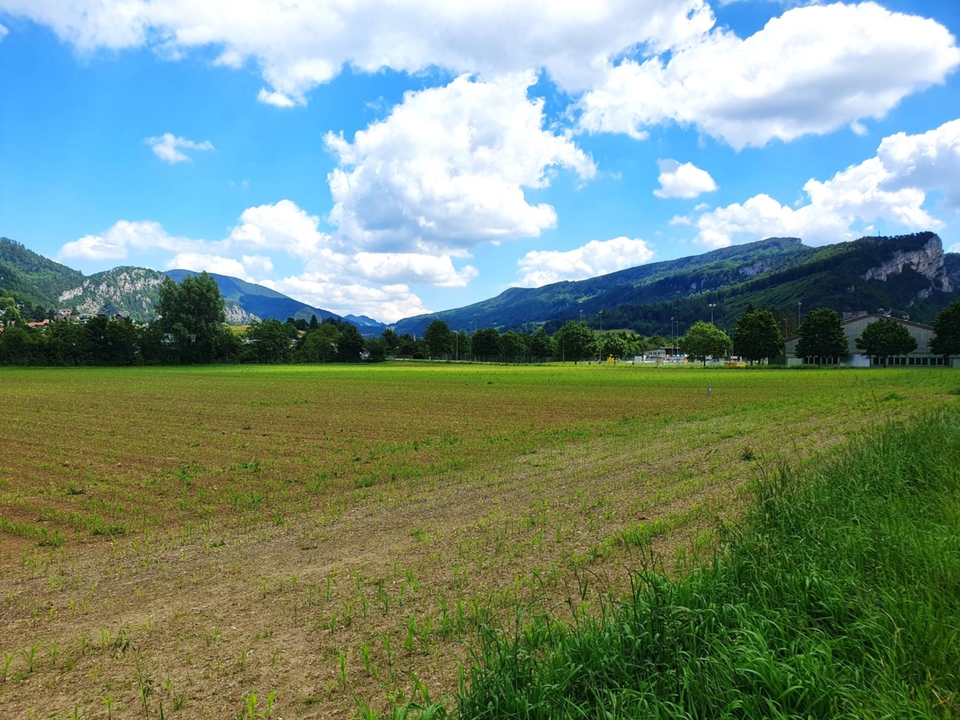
(600,348)
(712,306)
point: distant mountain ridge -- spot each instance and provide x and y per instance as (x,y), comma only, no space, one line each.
(134,291)
(262,302)
(257,301)
(908,274)
(904,275)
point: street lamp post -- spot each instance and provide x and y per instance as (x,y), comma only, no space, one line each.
(673,340)
(600,347)
(581,317)
(712,306)
(475,323)
(458,346)
(799,304)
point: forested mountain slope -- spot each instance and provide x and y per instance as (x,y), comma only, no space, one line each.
(908,274)
(33,277)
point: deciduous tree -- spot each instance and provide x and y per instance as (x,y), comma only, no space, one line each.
(885,338)
(513,346)
(376,348)
(350,347)
(192,314)
(407,345)
(612,345)
(757,335)
(947,329)
(267,342)
(486,344)
(439,339)
(821,336)
(391,340)
(705,340)
(320,345)
(574,341)
(463,345)
(540,347)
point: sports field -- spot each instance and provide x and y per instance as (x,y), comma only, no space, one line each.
(303,541)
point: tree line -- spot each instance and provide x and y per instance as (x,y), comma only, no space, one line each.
(191,329)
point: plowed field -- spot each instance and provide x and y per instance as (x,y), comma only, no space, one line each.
(199,539)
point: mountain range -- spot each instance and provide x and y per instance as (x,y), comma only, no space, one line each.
(134,291)
(904,275)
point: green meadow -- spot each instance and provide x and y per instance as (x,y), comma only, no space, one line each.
(317,541)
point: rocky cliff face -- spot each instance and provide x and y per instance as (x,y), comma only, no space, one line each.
(927,260)
(134,292)
(755,268)
(236,315)
(129,290)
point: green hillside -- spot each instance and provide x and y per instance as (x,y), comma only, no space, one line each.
(777,273)
(31,277)
(831,276)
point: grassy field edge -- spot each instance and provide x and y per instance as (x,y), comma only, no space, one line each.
(837,596)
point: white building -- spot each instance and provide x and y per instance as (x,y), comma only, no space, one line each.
(854,325)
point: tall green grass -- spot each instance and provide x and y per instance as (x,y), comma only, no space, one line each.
(838,596)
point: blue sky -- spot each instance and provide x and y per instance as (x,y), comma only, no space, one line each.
(388,159)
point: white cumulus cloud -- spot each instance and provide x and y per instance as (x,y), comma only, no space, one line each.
(542,267)
(892,186)
(388,303)
(168,148)
(3,32)
(812,70)
(245,268)
(299,45)
(437,270)
(334,275)
(682,181)
(929,161)
(115,243)
(446,169)
(282,226)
